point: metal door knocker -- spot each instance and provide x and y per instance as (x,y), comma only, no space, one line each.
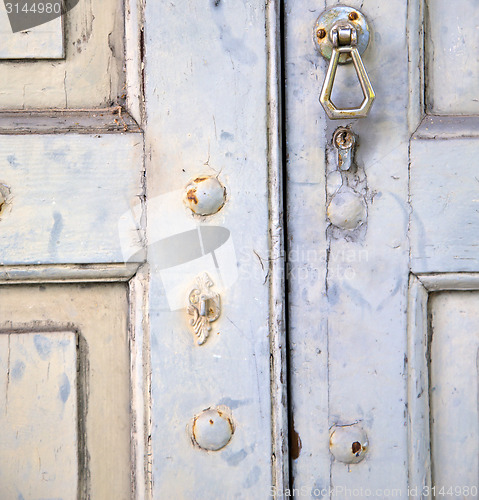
(341,34)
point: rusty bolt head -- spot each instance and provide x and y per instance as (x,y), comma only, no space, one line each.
(353,16)
(205,195)
(213,428)
(321,33)
(347,209)
(348,444)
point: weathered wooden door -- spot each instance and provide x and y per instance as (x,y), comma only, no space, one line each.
(383,335)
(365,362)
(157,339)
(71,423)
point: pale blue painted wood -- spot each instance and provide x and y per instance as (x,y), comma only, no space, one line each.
(454,353)
(206,107)
(348,290)
(39,42)
(39,417)
(444,219)
(452,72)
(69,198)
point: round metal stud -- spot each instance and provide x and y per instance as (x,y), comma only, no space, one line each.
(213,428)
(348,444)
(335,17)
(347,209)
(205,195)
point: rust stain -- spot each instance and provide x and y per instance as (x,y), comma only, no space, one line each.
(117,110)
(193,431)
(201,179)
(228,419)
(353,16)
(295,444)
(211,422)
(191,196)
(356,448)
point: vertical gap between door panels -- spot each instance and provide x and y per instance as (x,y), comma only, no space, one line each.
(282,57)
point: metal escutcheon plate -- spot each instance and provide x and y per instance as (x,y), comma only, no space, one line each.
(340,15)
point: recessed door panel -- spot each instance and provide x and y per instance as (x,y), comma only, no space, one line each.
(454,386)
(65,424)
(38,42)
(39,428)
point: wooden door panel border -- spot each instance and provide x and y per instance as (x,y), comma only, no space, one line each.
(111,120)
(67,273)
(434,127)
(277,310)
(136,275)
(420,286)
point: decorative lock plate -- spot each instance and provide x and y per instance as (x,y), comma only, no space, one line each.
(204,307)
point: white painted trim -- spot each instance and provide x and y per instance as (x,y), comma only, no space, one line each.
(67,273)
(450,281)
(140,370)
(277,326)
(419,453)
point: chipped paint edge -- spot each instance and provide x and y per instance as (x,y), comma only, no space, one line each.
(277,325)
(134,52)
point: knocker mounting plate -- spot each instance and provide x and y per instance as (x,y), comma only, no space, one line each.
(331,18)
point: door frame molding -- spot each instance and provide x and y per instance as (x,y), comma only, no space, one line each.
(418,328)
(277,279)
(136,275)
